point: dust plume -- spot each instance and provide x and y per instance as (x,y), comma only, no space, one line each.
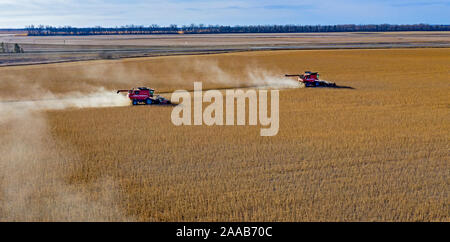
(34,165)
(50,101)
(251,76)
(33,182)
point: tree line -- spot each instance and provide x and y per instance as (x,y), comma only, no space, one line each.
(219,29)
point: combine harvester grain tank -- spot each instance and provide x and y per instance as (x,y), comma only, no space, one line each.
(144,95)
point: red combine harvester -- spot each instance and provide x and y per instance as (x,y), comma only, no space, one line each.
(311,79)
(144,95)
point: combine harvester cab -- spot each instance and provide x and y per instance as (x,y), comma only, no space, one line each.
(311,79)
(144,95)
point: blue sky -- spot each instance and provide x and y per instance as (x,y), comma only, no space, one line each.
(81,13)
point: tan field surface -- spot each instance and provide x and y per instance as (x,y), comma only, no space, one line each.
(235,39)
(378,151)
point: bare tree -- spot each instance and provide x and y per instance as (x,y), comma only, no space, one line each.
(201,28)
(17,48)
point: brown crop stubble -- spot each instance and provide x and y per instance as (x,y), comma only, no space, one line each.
(378,152)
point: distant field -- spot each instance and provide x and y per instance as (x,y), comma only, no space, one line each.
(237,39)
(48,49)
(378,152)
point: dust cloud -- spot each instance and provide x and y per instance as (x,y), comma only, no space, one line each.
(33,184)
(265,79)
(50,101)
(251,76)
